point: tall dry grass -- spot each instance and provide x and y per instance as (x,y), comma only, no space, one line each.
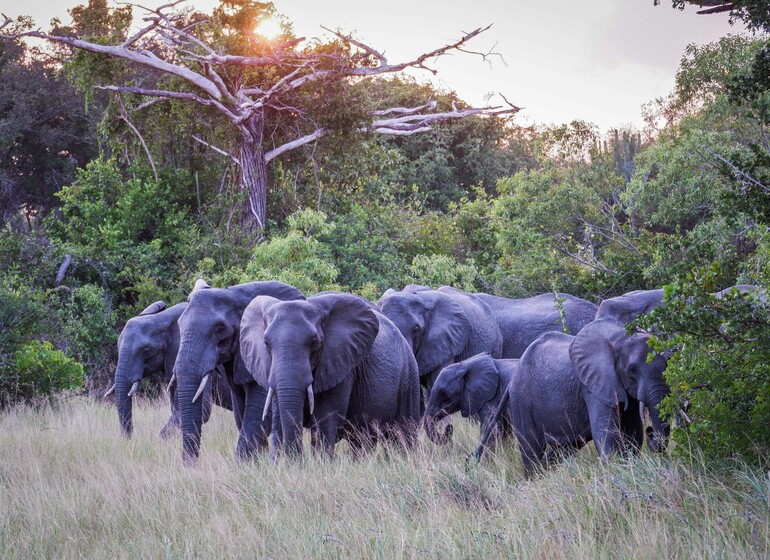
(72,487)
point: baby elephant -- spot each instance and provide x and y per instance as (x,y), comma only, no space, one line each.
(475,387)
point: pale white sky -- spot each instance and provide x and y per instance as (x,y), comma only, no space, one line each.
(596,60)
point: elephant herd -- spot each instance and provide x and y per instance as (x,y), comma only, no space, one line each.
(552,370)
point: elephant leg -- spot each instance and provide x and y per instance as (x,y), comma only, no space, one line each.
(330,411)
(174,423)
(632,425)
(239,404)
(532,453)
(252,437)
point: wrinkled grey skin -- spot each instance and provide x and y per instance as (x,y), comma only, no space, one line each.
(629,306)
(442,327)
(209,330)
(521,321)
(569,390)
(217,391)
(545,402)
(351,358)
(474,387)
(613,370)
(148,345)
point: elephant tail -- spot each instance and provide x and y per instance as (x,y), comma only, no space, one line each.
(491,427)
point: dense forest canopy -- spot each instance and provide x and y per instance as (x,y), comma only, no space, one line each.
(143,193)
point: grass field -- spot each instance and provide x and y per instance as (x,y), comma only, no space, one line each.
(72,487)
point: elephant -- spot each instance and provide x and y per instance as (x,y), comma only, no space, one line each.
(147,345)
(521,321)
(209,330)
(545,403)
(569,390)
(335,364)
(441,327)
(473,386)
(613,368)
(629,306)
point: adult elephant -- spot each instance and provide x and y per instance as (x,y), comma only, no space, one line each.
(332,363)
(474,387)
(569,390)
(441,327)
(148,345)
(209,330)
(629,306)
(614,371)
(521,321)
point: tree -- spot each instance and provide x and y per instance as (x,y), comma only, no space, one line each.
(45,134)
(270,92)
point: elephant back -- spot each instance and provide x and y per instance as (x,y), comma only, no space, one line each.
(521,321)
(485,335)
(629,306)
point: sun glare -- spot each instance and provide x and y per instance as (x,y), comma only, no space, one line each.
(269,28)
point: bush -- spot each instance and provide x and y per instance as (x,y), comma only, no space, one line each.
(39,371)
(719,368)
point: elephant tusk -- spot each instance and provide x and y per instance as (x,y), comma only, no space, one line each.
(311,398)
(110,391)
(268,402)
(171,383)
(133,389)
(201,387)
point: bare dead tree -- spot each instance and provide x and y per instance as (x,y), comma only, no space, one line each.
(245,103)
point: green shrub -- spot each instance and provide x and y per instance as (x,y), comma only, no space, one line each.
(39,370)
(297,257)
(442,270)
(719,368)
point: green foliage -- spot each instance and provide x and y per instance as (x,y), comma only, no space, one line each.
(29,370)
(362,247)
(442,270)
(40,371)
(298,257)
(719,369)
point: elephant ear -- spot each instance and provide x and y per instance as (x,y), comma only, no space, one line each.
(447,331)
(153,308)
(254,351)
(200,284)
(389,292)
(593,353)
(349,329)
(481,383)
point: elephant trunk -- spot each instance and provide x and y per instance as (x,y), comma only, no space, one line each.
(191,415)
(124,380)
(291,406)
(437,437)
(657,435)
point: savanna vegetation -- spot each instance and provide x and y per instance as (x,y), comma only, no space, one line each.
(111,201)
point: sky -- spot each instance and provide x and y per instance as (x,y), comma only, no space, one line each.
(595,60)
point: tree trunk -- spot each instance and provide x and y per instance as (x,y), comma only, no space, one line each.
(254,171)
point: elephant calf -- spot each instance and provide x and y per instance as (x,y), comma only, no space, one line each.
(474,387)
